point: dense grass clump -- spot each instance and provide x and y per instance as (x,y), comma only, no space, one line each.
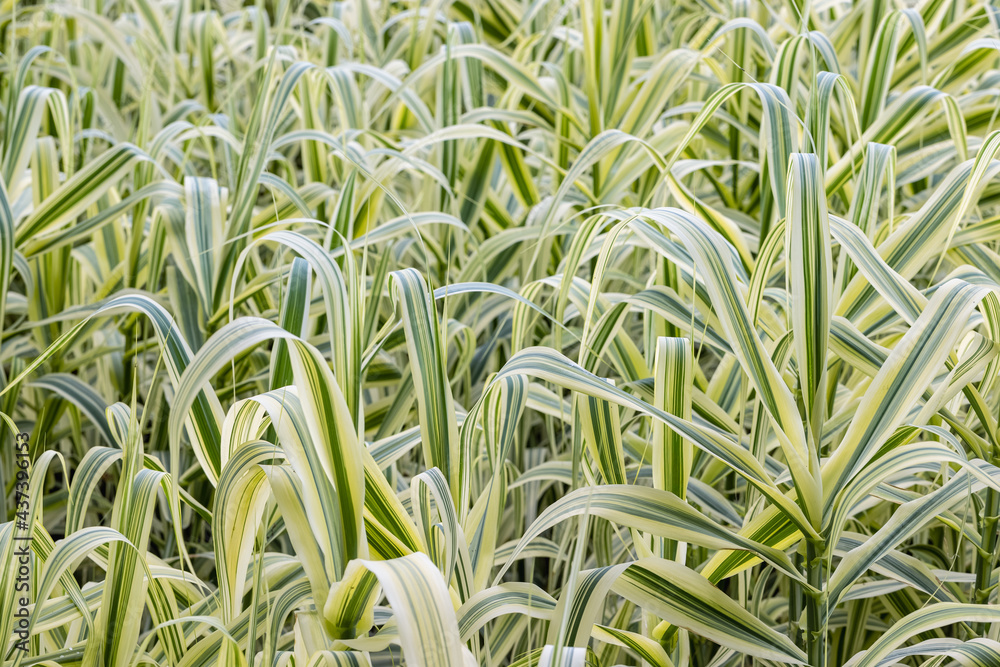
(479,332)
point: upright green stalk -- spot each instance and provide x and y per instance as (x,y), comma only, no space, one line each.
(986,555)
(815,632)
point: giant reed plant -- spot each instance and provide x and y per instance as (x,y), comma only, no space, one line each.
(480,332)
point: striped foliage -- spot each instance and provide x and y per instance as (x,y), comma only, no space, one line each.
(479,333)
